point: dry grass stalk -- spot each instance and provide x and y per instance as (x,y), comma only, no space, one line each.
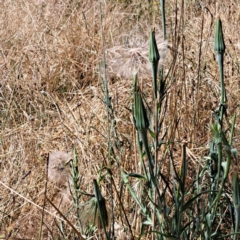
(54,46)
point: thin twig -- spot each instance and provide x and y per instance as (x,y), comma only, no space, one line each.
(44,199)
(33,203)
(70,224)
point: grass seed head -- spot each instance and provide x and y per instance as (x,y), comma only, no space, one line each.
(58,170)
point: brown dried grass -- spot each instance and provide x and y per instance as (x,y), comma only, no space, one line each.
(50,91)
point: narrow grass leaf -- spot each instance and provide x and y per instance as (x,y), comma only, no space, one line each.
(236,203)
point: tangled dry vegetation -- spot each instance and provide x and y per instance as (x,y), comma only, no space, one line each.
(51,96)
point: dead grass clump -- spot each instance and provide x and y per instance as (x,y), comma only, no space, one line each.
(51,97)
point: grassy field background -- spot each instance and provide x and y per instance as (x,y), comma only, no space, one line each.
(51,99)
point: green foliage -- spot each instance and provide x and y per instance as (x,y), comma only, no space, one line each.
(193,211)
(173,205)
(75,176)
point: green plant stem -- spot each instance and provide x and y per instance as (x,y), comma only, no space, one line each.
(219,57)
(219,152)
(228,163)
(162,3)
(223,90)
(122,207)
(232,129)
(236,202)
(141,156)
(156,158)
(143,134)
(237,216)
(154,78)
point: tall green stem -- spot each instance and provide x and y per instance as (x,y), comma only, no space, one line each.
(162,3)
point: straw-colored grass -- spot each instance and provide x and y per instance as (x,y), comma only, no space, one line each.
(51,98)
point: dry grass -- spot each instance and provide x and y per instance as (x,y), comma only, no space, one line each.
(50,93)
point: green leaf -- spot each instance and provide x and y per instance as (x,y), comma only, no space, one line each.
(216,134)
(137,175)
(153,135)
(101,209)
(234,152)
(148,223)
(133,194)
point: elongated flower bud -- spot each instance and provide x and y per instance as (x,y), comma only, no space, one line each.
(154,56)
(140,114)
(219,48)
(219,45)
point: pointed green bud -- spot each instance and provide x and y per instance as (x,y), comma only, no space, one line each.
(154,59)
(153,50)
(139,111)
(219,45)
